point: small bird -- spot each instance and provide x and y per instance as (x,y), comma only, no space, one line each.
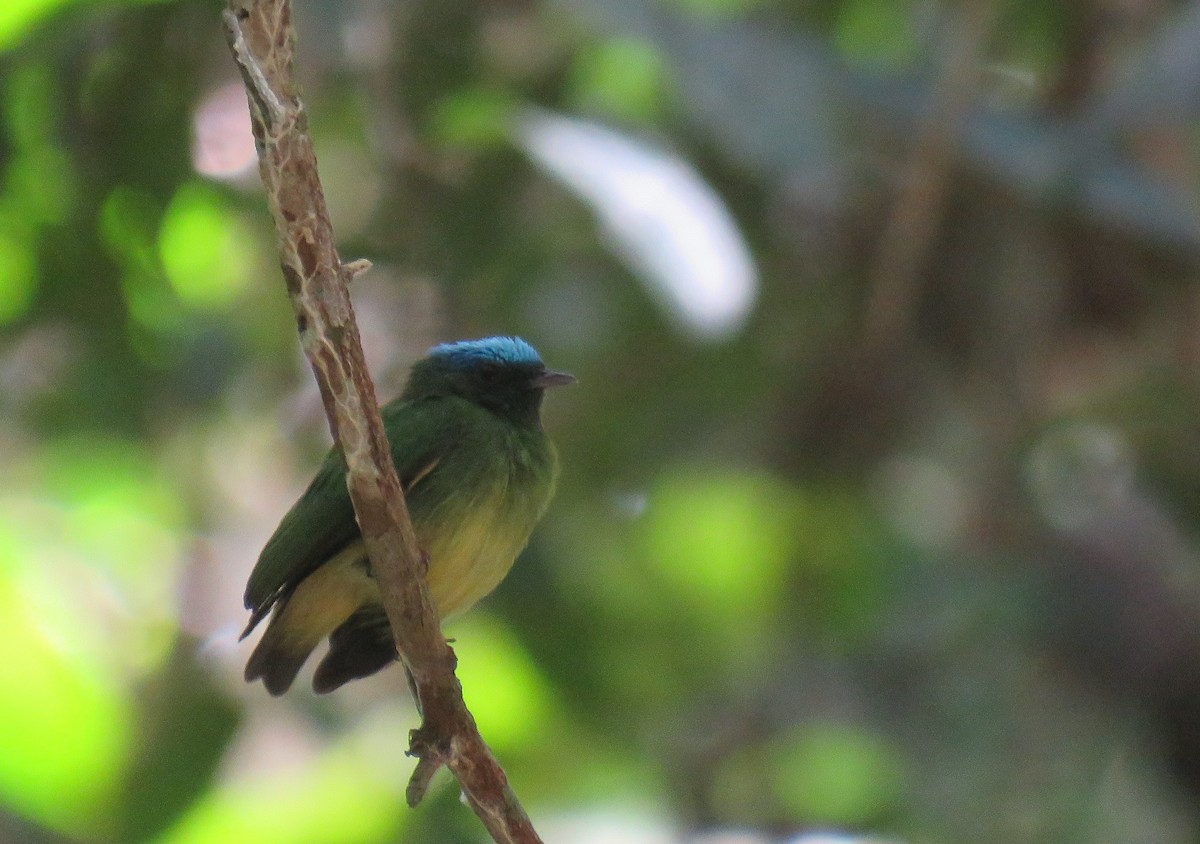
(477,471)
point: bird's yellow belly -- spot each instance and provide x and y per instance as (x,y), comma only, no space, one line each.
(469,554)
(467,563)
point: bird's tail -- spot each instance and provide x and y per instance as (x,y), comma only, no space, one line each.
(280,653)
(362,645)
(314,608)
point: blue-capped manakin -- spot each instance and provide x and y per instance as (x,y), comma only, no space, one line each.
(477,471)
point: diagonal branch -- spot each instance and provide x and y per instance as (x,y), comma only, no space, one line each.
(261,38)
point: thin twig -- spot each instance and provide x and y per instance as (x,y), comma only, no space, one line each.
(261,38)
(356,267)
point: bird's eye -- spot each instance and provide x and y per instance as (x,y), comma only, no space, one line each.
(489,372)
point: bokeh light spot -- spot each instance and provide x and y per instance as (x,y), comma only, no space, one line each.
(336,798)
(474,118)
(224,141)
(833,773)
(507,694)
(202,248)
(621,77)
(723,539)
(63,727)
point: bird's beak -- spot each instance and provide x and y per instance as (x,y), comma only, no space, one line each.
(551,378)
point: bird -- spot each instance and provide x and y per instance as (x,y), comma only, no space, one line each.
(478,472)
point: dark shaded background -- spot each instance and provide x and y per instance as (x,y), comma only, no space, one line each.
(889,532)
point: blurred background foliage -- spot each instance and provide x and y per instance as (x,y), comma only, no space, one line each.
(881,490)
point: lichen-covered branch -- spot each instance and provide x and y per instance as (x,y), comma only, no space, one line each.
(261,38)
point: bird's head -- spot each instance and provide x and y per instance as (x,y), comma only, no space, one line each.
(504,374)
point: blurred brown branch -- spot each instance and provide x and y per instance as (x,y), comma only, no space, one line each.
(261,38)
(925,179)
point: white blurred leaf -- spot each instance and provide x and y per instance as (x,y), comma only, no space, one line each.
(662,218)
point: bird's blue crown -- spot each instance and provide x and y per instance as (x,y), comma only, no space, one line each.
(466,353)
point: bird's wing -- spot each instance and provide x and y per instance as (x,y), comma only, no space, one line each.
(322,522)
